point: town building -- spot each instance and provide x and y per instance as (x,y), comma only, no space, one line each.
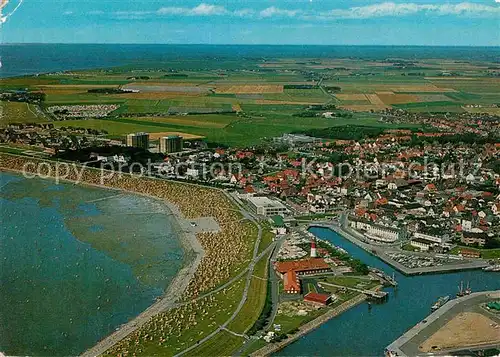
(473,238)
(303,267)
(428,237)
(423,244)
(138,140)
(266,207)
(171,144)
(469,253)
(291,284)
(290,271)
(317,298)
(376,232)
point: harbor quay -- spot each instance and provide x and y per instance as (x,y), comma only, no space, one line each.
(308,327)
(382,253)
(448,329)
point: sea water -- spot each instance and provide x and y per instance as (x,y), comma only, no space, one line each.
(76,262)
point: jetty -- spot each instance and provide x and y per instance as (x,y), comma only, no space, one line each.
(410,343)
(372,294)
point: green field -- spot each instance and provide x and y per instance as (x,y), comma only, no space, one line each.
(14,112)
(264,114)
(252,307)
(223,344)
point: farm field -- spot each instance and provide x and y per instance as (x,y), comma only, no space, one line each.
(14,112)
(242,102)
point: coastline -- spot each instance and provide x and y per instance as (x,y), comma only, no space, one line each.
(472,265)
(177,286)
(310,326)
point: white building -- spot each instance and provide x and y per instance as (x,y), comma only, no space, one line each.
(423,244)
(376,232)
(266,207)
(428,237)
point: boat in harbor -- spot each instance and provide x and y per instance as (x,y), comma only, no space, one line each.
(492,268)
(441,301)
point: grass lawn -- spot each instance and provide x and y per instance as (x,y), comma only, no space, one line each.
(267,237)
(222,344)
(351,282)
(113,128)
(290,323)
(261,267)
(252,308)
(18,112)
(238,131)
(187,325)
(410,248)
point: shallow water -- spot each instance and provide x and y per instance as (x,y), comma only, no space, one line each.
(76,262)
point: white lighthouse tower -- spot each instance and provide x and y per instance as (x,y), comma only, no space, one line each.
(314,254)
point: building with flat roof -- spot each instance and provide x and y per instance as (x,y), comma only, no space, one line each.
(266,207)
(171,144)
(138,140)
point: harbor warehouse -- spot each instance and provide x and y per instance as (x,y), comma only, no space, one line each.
(267,207)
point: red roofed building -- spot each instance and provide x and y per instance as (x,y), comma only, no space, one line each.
(322,299)
(469,253)
(303,267)
(291,283)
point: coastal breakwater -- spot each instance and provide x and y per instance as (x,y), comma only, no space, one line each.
(310,326)
(380,252)
(409,343)
(219,253)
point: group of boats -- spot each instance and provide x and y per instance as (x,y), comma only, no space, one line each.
(444,299)
(492,268)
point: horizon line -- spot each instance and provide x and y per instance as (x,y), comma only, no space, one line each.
(239,44)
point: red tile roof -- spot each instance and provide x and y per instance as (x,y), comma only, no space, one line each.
(290,282)
(302,265)
(317,298)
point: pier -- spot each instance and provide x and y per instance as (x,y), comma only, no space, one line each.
(373,294)
(409,343)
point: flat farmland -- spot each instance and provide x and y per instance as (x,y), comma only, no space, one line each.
(157,95)
(248,89)
(485,85)
(304,96)
(168,87)
(493,111)
(202,121)
(185,136)
(351,97)
(445,106)
(398,98)
(112,127)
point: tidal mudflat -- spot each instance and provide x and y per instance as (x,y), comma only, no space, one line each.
(76,262)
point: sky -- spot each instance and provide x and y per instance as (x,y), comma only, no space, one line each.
(319,22)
